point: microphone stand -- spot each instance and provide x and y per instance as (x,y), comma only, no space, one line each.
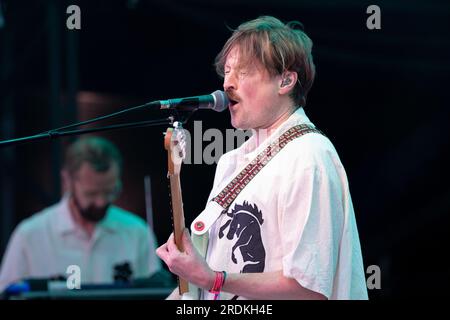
(61,132)
(56,134)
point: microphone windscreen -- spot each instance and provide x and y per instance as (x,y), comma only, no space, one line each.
(221,101)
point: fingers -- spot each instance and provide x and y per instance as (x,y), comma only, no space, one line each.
(176,261)
(165,250)
(187,242)
(162,252)
(172,247)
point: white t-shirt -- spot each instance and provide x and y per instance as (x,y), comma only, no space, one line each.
(45,244)
(296,215)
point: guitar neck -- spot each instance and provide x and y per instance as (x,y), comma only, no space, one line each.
(178,221)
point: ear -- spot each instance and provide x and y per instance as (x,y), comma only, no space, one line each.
(287,82)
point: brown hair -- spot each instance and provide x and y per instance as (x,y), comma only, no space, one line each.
(100,153)
(278,47)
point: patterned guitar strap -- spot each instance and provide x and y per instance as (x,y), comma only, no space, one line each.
(227,196)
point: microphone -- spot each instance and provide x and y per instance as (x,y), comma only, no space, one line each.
(217,101)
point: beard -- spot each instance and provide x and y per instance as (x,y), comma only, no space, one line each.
(92,213)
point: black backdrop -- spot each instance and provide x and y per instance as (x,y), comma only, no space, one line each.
(379,95)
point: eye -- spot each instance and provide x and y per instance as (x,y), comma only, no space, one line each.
(243,73)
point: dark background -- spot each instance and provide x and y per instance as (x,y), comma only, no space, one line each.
(380,95)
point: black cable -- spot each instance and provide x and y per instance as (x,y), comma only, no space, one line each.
(112,115)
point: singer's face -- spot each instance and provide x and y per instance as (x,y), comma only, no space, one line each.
(253,93)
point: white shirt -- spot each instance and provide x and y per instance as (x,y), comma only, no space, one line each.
(296,215)
(45,244)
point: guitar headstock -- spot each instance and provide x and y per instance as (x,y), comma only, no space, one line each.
(175,144)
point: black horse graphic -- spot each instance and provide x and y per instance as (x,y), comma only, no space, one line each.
(245,224)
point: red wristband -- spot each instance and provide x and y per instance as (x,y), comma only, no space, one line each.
(218,283)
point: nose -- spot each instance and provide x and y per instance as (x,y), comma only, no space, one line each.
(229,82)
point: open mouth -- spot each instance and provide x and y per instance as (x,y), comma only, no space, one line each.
(233,99)
(233,103)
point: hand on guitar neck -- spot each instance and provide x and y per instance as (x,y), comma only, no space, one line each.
(188,265)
